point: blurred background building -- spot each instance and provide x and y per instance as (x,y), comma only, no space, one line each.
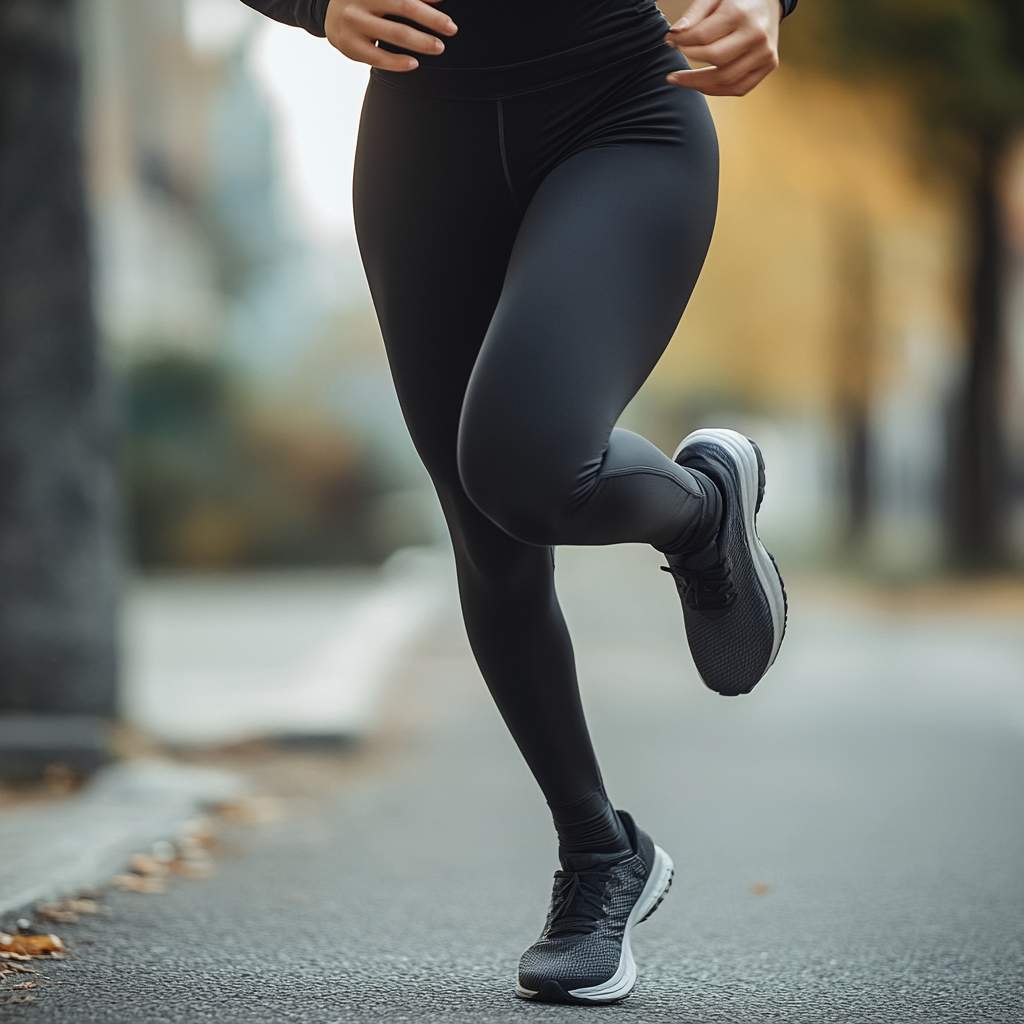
(259,426)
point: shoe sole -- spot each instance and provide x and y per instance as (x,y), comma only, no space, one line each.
(747,458)
(621,983)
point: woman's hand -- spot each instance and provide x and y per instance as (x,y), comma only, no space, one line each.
(740,38)
(355,27)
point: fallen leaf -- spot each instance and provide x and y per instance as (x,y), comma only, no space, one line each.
(8,955)
(30,945)
(196,835)
(53,912)
(255,810)
(24,984)
(22,999)
(193,868)
(85,906)
(761,888)
(147,864)
(140,883)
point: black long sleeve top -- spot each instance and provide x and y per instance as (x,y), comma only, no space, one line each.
(310,14)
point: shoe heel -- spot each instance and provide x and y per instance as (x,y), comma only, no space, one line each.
(661,898)
(760,476)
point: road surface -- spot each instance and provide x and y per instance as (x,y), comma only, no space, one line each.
(849,839)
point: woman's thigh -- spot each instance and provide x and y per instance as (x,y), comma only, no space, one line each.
(605,260)
(436,225)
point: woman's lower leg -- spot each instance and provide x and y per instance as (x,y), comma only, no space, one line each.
(519,637)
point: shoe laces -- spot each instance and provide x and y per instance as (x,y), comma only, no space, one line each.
(704,580)
(578,902)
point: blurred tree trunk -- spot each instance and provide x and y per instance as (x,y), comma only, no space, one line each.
(855,354)
(59,565)
(960,65)
(977,485)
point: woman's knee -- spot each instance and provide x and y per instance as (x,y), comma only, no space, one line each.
(517,482)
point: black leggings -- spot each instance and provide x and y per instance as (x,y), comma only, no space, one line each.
(529,256)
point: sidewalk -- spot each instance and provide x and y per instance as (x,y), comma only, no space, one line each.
(847,839)
(214,660)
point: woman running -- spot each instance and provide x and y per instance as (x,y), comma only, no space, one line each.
(536,185)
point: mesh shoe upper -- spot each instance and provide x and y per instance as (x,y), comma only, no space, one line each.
(581,943)
(729,622)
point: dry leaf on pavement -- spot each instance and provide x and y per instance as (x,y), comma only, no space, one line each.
(255,810)
(193,868)
(8,968)
(68,911)
(196,834)
(30,945)
(147,864)
(54,912)
(85,906)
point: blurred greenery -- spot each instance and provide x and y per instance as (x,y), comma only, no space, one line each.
(211,483)
(960,61)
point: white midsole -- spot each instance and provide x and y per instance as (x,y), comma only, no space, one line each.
(742,451)
(622,981)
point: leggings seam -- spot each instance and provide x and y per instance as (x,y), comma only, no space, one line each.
(643,471)
(504,159)
(633,470)
(583,494)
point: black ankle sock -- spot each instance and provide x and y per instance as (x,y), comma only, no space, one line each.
(589,826)
(703,530)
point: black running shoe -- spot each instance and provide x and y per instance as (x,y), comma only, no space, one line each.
(583,955)
(734,602)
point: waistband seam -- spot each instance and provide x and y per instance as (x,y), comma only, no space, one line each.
(644,37)
(438,90)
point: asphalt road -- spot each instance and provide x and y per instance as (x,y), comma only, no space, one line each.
(848,840)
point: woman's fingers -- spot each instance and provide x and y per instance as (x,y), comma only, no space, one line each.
(740,88)
(422,13)
(725,51)
(738,37)
(697,11)
(362,50)
(381,31)
(728,74)
(356,26)
(724,20)
(736,79)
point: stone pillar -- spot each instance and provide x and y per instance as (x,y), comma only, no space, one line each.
(59,549)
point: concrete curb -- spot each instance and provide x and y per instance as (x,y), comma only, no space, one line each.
(331,688)
(338,691)
(58,850)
